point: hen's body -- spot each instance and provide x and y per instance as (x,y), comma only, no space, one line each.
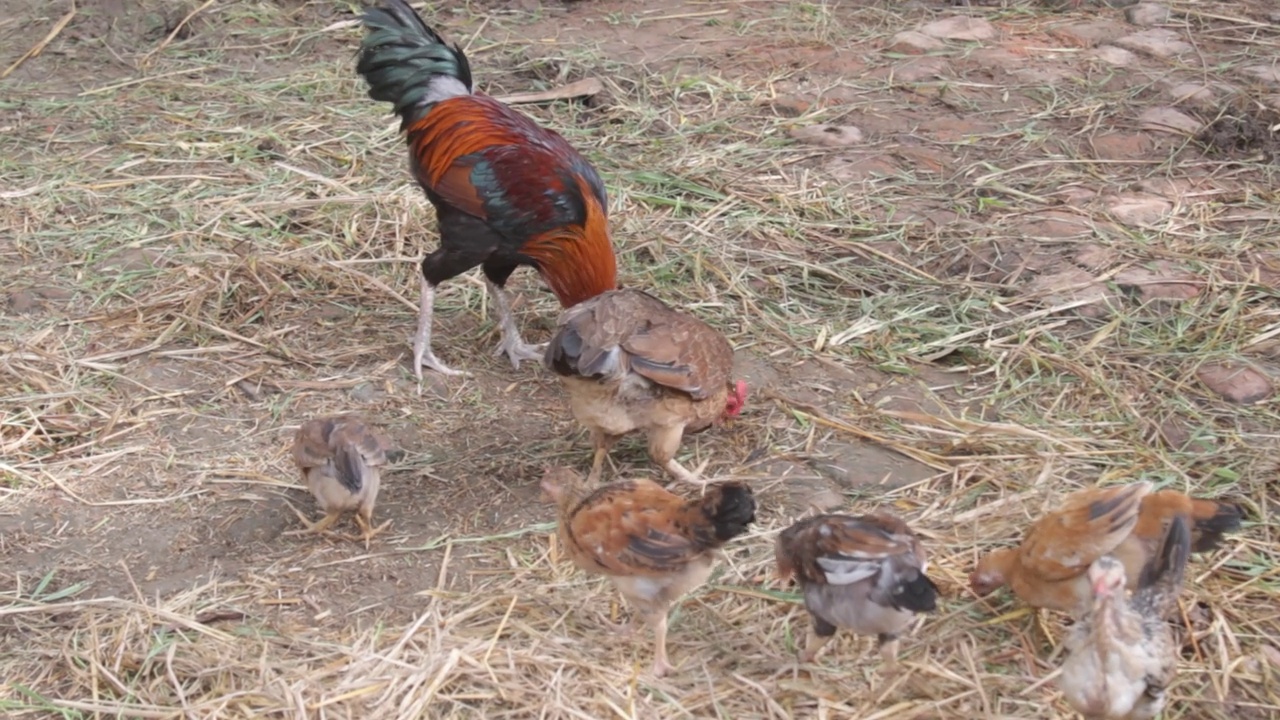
(340,458)
(507,192)
(630,363)
(865,574)
(653,545)
(1049,569)
(1122,653)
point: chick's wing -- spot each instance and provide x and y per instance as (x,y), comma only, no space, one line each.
(633,528)
(1091,523)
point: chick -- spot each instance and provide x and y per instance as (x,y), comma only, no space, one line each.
(864,573)
(1122,654)
(340,458)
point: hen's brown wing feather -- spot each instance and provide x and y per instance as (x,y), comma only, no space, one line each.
(632,528)
(1091,523)
(632,330)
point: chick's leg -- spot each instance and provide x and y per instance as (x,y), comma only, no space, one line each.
(323,524)
(820,633)
(422,354)
(512,345)
(364,518)
(888,649)
(661,665)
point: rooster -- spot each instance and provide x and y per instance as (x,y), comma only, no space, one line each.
(631,363)
(507,192)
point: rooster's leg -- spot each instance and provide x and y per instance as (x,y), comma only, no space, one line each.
(512,345)
(422,354)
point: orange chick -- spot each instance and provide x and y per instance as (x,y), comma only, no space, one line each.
(654,545)
(1050,568)
(864,573)
(340,458)
(1121,654)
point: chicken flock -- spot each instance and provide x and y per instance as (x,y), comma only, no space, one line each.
(509,193)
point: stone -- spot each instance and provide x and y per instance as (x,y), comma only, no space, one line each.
(1138,210)
(1191,93)
(1071,285)
(911,42)
(1113,55)
(1161,283)
(1240,384)
(828,135)
(1095,257)
(1168,120)
(1146,14)
(1089,34)
(960,27)
(1156,42)
(1120,146)
(918,70)
(1265,73)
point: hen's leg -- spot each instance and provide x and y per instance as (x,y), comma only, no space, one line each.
(422,354)
(512,345)
(663,444)
(661,665)
(602,442)
(820,633)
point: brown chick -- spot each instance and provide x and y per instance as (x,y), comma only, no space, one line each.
(340,458)
(630,363)
(1049,569)
(1121,654)
(655,546)
(863,573)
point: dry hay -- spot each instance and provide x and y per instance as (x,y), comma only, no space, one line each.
(183,288)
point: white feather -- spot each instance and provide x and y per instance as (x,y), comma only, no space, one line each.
(443,87)
(846,571)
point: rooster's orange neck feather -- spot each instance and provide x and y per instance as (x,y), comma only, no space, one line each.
(577,263)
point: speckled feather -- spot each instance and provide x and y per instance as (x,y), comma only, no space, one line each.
(343,446)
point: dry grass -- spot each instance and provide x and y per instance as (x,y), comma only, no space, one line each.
(207,233)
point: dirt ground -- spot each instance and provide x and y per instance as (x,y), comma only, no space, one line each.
(966,270)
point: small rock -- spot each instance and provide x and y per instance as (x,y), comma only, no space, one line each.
(365,392)
(911,42)
(1070,285)
(1095,257)
(1089,34)
(1137,210)
(1113,55)
(862,169)
(790,106)
(23,302)
(918,70)
(826,500)
(1156,42)
(1121,146)
(1241,384)
(1168,120)
(1162,284)
(1146,14)
(1191,93)
(1265,73)
(131,260)
(828,135)
(960,27)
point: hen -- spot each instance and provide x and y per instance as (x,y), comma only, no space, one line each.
(1121,654)
(864,573)
(655,546)
(631,363)
(1049,569)
(340,458)
(507,192)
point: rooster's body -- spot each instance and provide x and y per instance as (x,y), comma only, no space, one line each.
(507,192)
